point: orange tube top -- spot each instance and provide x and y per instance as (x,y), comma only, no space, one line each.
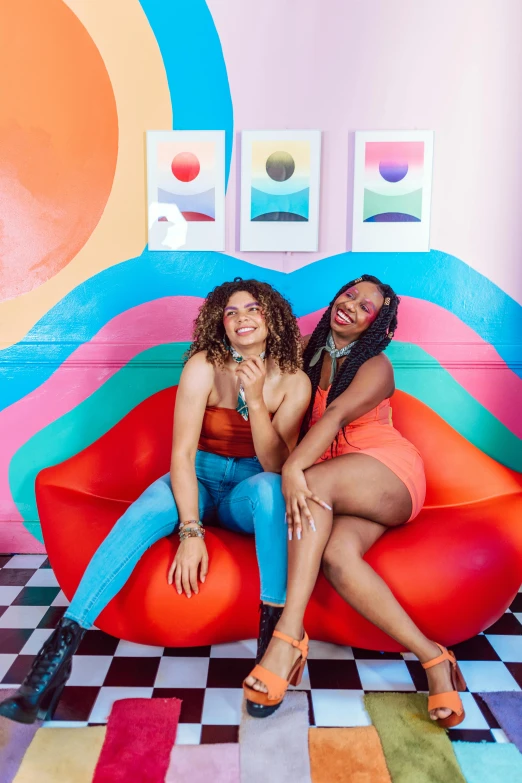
(225,432)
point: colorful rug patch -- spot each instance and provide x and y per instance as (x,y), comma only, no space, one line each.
(506,706)
(275,749)
(204,764)
(140,736)
(62,756)
(415,748)
(489,762)
(15,738)
(338,755)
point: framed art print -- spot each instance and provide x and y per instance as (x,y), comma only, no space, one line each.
(392,191)
(186,190)
(280,176)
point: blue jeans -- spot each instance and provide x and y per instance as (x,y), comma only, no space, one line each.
(236,490)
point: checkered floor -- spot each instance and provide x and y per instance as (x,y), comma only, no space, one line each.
(208,679)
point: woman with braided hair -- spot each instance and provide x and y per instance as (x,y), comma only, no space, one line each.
(351,477)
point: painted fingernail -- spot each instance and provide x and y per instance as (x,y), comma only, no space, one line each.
(312,525)
(289,534)
(298,535)
(327,507)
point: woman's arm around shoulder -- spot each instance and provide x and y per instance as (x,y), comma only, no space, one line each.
(373,382)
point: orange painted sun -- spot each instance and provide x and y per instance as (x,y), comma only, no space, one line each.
(59,141)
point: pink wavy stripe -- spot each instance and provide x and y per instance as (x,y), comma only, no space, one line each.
(14,537)
(170,319)
(466,356)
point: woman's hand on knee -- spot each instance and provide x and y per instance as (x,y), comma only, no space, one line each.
(191,557)
(297,495)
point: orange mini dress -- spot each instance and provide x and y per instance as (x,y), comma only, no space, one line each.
(374,434)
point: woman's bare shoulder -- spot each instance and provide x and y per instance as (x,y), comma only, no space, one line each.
(377,371)
(378,364)
(298,382)
(198,366)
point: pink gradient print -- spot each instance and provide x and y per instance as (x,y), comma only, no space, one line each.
(386,163)
(410,153)
(393,181)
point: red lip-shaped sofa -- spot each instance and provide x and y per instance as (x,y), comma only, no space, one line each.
(455,568)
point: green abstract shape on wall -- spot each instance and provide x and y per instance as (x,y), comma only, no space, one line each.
(148,372)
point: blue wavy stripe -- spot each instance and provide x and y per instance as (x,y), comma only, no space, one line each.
(195,67)
(442,279)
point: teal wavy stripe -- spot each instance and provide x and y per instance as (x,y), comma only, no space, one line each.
(147,373)
(130,386)
(195,67)
(435,276)
(441,392)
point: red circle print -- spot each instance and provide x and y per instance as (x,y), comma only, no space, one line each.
(185,166)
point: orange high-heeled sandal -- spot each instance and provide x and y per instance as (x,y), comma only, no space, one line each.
(261,705)
(450,700)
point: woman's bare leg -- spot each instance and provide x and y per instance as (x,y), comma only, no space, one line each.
(366,498)
(361,587)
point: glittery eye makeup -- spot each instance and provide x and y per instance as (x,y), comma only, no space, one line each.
(232,310)
(372,315)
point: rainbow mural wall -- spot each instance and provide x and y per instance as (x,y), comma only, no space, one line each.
(92,323)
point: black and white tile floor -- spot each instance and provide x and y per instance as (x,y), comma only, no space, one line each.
(208,679)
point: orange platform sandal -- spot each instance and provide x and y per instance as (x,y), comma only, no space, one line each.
(450,700)
(261,705)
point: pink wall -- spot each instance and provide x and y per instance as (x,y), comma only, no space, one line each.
(342,65)
(338,65)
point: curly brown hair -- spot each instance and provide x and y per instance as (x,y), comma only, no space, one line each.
(283,342)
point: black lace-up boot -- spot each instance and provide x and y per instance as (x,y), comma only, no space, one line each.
(38,695)
(267,622)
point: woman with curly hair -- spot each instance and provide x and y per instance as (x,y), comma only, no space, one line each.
(351,478)
(239,407)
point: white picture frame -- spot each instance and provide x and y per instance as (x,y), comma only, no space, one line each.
(186,190)
(392,191)
(280,188)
